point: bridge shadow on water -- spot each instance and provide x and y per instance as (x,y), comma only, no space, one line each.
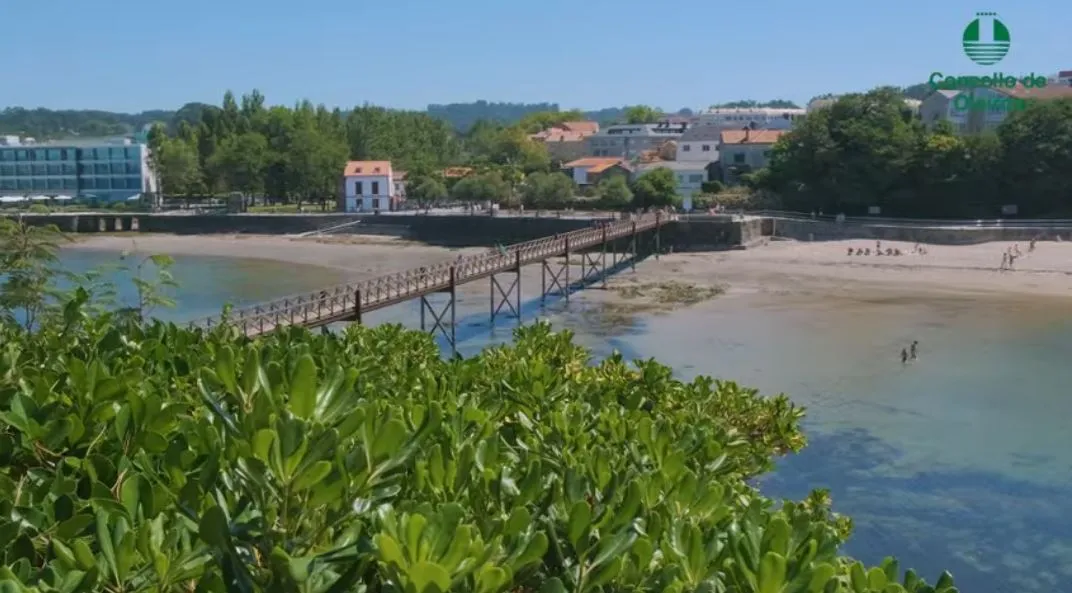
(475,331)
(995,533)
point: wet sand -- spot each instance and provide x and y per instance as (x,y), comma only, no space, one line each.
(780,268)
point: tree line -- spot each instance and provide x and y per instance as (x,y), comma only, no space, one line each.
(871,150)
(296,154)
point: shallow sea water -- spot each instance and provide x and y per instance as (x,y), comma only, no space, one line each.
(960,460)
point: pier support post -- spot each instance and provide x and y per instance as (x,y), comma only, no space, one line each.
(658,225)
(633,247)
(357,307)
(567,265)
(603,256)
(498,301)
(440,322)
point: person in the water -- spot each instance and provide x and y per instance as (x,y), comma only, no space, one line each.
(912,353)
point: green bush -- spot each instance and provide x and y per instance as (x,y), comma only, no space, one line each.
(712,187)
(148,457)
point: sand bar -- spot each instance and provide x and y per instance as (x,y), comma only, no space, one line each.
(778,267)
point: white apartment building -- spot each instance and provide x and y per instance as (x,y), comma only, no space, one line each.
(629,141)
(367,187)
(699,144)
(766,118)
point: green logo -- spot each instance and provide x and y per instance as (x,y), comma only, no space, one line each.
(986,39)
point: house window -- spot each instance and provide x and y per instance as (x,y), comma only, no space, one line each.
(358,188)
(375,190)
(696,178)
(738,158)
(686,148)
(375,201)
(706,148)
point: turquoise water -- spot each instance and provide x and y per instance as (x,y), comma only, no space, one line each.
(959,460)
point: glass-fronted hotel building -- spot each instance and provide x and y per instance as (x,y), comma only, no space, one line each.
(105,169)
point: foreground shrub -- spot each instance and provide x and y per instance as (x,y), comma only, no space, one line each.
(153,458)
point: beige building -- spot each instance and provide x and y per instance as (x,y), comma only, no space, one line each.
(744,151)
(567,141)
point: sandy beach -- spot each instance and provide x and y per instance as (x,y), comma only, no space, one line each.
(784,268)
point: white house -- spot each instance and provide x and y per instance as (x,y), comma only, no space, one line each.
(367,186)
(690,176)
(699,144)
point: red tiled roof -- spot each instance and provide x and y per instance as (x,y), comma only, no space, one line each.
(604,166)
(581,127)
(751,136)
(365,168)
(593,161)
(1051,91)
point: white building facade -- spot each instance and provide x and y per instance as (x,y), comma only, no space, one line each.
(699,144)
(767,118)
(367,186)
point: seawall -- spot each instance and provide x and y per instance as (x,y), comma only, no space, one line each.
(459,231)
(693,233)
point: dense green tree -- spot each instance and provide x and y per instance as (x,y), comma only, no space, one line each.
(642,114)
(656,188)
(241,161)
(547,190)
(179,169)
(614,191)
(1037,145)
(484,187)
(426,189)
(853,155)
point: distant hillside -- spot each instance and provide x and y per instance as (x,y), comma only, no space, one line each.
(43,124)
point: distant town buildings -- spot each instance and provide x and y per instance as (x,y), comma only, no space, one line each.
(107,169)
(567,141)
(769,118)
(971,111)
(629,141)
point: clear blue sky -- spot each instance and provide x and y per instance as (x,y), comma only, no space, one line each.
(128,55)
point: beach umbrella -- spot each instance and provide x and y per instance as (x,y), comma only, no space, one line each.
(11,199)
(62,198)
(39,198)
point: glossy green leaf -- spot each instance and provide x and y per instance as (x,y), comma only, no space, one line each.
(303,387)
(428,577)
(312,476)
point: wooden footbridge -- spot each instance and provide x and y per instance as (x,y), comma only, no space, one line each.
(350,301)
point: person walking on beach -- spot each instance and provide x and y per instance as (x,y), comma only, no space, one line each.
(904,356)
(912,353)
(1004,261)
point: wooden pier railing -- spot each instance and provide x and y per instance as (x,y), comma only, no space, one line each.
(350,301)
